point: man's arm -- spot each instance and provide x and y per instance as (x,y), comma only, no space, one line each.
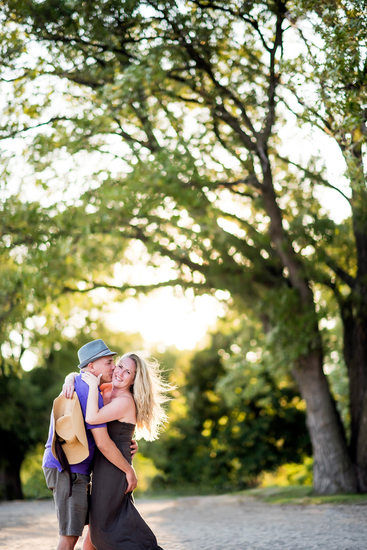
(68,386)
(134,448)
(112,453)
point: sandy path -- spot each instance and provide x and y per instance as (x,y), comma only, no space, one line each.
(208,523)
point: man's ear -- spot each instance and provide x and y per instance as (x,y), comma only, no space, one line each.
(92,369)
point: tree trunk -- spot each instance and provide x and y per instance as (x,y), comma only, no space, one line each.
(361,454)
(10,484)
(333,468)
(355,356)
(354,309)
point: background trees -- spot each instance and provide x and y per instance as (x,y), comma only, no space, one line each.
(178,109)
(232,427)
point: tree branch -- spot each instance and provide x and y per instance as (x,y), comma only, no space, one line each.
(27,128)
(55,37)
(138,288)
(238,14)
(313,176)
(273,78)
(145,122)
(128,137)
(249,180)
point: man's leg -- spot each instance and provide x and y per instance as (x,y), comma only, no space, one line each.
(66,542)
(72,511)
(87,543)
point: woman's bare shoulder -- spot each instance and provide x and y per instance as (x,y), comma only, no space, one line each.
(126,405)
(126,398)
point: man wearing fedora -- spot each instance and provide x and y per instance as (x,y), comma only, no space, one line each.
(69,452)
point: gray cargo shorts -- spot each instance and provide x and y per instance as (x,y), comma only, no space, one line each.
(72,512)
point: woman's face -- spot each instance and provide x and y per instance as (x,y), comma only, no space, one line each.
(124,373)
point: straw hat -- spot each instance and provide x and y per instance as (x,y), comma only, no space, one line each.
(69,426)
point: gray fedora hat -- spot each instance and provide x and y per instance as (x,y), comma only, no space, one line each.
(92,351)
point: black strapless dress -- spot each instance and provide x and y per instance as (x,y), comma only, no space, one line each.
(114,521)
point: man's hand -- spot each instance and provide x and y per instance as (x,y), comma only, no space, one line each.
(68,386)
(134,448)
(132,480)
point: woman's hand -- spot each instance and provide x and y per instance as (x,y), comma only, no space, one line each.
(91,380)
(132,480)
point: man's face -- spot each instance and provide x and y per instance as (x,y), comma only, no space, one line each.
(104,366)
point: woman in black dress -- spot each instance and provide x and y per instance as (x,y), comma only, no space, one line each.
(133,401)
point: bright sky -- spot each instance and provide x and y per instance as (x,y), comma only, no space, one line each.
(164,319)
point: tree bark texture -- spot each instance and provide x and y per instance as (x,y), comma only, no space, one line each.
(354,313)
(355,355)
(333,468)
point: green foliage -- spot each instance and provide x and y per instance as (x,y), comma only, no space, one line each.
(289,475)
(222,444)
(336,67)
(33,480)
(173,111)
(22,420)
(177,123)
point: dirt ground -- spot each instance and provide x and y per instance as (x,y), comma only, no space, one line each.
(227,522)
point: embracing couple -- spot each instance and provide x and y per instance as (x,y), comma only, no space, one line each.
(91,428)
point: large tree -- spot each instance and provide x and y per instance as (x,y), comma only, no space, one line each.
(336,68)
(183,102)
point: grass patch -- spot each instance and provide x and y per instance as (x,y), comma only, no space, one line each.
(173,492)
(301,494)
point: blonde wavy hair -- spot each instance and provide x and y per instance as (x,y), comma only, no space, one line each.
(150,393)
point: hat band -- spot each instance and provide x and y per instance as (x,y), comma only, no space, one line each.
(96,356)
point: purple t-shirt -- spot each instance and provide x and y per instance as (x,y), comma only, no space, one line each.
(49,461)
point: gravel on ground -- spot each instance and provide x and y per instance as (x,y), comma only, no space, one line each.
(225,522)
